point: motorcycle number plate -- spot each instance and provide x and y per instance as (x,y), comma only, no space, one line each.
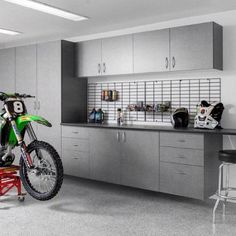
(16,107)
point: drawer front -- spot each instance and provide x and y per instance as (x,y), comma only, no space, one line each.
(182,180)
(76,163)
(182,140)
(182,156)
(80,145)
(75,132)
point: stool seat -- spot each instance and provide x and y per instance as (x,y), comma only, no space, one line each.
(227,156)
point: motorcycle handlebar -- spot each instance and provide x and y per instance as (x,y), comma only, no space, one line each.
(24,95)
(4,96)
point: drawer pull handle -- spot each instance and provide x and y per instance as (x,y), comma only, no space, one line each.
(181,157)
(181,173)
(181,141)
(75,132)
(75,158)
(76,145)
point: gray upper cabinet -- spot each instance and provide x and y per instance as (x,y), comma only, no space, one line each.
(109,56)
(7,70)
(89,57)
(196,47)
(140,159)
(117,55)
(191,47)
(151,51)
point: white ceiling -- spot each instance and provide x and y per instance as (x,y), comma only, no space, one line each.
(104,15)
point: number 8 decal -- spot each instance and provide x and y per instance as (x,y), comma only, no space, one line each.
(18,107)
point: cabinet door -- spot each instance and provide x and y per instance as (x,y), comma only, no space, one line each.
(105,155)
(89,58)
(151,51)
(140,159)
(192,47)
(7,70)
(26,74)
(117,55)
(49,91)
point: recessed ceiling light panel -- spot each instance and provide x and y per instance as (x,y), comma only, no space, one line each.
(48,9)
(8,32)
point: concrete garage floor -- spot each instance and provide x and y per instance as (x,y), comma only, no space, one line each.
(92,208)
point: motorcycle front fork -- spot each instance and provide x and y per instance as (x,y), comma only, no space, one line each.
(25,155)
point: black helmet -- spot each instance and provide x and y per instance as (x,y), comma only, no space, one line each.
(180,117)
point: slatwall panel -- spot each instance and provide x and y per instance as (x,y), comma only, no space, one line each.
(181,93)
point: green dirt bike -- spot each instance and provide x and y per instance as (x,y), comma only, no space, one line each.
(41,169)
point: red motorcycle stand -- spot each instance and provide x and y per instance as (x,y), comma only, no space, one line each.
(9,179)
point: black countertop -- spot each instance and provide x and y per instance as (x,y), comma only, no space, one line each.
(154,128)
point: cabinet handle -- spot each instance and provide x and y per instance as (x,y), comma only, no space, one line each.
(181,140)
(35,105)
(173,62)
(118,136)
(167,63)
(104,67)
(38,105)
(181,157)
(75,158)
(75,132)
(99,68)
(124,137)
(76,145)
(181,173)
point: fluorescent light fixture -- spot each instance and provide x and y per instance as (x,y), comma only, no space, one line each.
(8,32)
(48,9)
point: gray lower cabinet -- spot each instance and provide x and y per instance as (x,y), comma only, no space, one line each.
(184,180)
(189,164)
(75,151)
(169,162)
(140,159)
(75,157)
(129,158)
(105,155)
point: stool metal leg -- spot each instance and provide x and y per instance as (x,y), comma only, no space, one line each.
(214,210)
(226,188)
(218,192)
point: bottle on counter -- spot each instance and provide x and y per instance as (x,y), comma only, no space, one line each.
(120,117)
(92,116)
(99,117)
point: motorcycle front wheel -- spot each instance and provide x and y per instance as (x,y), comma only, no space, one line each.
(44,181)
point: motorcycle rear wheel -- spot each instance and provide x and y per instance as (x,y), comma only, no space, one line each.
(45,180)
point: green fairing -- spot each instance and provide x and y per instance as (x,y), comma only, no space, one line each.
(21,123)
